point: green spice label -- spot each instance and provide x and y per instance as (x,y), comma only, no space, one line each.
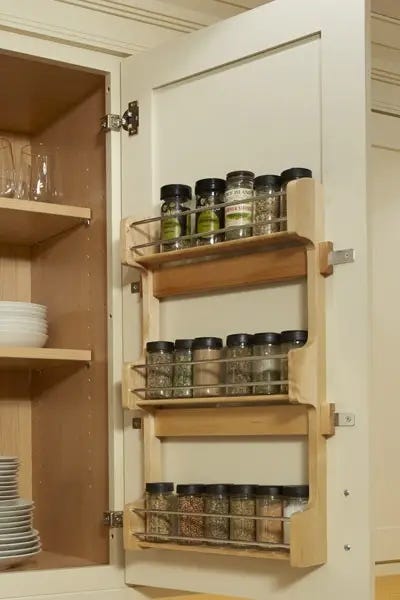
(176,225)
(207,221)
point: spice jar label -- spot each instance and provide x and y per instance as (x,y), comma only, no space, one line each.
(176,225)
(207,221)
(238,214)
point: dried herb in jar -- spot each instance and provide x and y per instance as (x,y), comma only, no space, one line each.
(159,497)
(190,500)
(242,502)
(269,504)
(238,345)
(183,372)
(217,503)
(159,357)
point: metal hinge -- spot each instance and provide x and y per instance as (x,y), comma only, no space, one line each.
(343,419)
(341,257)
(129,121)
(113,518)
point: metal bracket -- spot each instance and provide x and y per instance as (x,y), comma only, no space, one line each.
(136,423)
(136,287)
(129,121)
(343,419)
(113,518)
(341,257)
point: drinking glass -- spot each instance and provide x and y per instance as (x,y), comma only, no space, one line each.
(38,173)
(7,171)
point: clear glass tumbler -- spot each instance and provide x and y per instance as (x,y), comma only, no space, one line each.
(39,176)
(7,170)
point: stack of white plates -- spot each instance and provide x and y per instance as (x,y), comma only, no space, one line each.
(23,324)
(18,541)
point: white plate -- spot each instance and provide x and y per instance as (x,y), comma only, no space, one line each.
(16,304)
(34,548)
(10,496)
(24,535)
(27,545)
(12,527)
(8,485)
(21,503)
(6,563)
(14,338)
(16,519)
(18,327)
(11,459)
(17,513)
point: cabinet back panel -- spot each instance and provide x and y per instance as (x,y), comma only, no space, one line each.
(70,407)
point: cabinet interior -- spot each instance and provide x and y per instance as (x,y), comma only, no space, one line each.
(55,418)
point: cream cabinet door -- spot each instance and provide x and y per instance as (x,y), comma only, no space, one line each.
(282,85)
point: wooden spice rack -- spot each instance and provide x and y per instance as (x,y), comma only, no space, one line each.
(300,252)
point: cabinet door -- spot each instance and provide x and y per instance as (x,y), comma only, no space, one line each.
(282,85)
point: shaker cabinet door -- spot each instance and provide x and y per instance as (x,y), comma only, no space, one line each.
(282,85)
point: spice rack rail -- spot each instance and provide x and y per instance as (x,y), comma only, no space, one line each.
(241,264)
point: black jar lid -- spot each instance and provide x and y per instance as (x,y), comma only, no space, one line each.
(294,335)
(212,184)
(183,344)
(175,190)
(269,490)
(266,337)
(190,489)
(240,174)
(265,180)
(159,487)
(240,489)
(239,339)
(207,342)
(219,489)
(295,491)
(295,173)
(160,345)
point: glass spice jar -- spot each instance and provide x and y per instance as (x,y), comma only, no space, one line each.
(160,496)
(267,204)
(290,340)
(242,502)
(295,499)
(207,374)
(267,344)
(183,372)
(190,500)
(209,192)
(174,198)
(159,355)
(269,504)
(238,345)
(216,502)
(239,186)
(287,176)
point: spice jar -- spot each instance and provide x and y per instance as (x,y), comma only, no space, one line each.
(290,340)
(238,345)
(160,496)
(207,374)
(183,372)
(287,176)
(159,375)
(295,499)
(269,504)
(216,502)
(190,500)
(209,192)
(269,370)
(242,502)
(239,186)
(174,198)
(267,204)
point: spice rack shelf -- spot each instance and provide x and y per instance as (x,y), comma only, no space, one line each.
(300,252)
(26,222)
(41,358)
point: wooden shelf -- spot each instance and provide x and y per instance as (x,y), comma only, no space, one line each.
(35,358)
(26,222)
(263,554)
(210,402)
(51,560)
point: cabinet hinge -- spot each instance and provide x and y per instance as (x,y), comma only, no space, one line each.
(343,419)
(113,518)
(129,121)
(341,257)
